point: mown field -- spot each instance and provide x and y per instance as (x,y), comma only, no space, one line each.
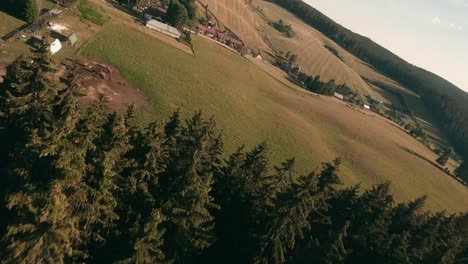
(314,58)
(8,23)
(250,106)
(14,47)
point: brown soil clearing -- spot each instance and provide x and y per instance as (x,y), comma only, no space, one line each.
(95,79)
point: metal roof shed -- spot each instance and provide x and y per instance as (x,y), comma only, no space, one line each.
(55,12)
(163,28)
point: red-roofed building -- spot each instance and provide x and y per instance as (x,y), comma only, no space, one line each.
(207,30)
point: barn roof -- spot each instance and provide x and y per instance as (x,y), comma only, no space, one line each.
(208,29)
(55,12)
(162,26)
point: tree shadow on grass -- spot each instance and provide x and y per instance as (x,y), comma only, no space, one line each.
(432,163)
(293,80)
(126,10)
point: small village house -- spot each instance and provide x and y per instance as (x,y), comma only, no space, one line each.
(207,31)
(55,46)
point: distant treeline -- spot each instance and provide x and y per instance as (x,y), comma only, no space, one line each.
(453,120)
(314,84)
(401,106)
(419,80)
(333,51)
(284,28)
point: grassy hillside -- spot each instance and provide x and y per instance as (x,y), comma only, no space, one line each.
(307,43)
(237,17)
(250,107)
(315,59)
(8,23)
(448,103)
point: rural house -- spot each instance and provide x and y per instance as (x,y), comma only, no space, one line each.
(208,31)
(339,96)
(219,36)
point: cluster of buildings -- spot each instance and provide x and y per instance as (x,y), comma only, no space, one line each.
(59,34)
(219,36)
(155,18)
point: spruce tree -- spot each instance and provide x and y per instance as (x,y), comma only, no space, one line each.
(177,14)
(46,167)
(30,95)
(140,193)
(462,171)
(295,198)
(186,187)
(442,160)
(31,11)
(239,190)
(191,7)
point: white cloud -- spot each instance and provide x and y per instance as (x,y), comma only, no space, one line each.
(459,3)
(451,25)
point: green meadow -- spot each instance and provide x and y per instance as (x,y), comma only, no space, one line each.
(250,107)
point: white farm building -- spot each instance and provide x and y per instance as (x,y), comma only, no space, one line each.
(163,28)
(55,46)
(339,96)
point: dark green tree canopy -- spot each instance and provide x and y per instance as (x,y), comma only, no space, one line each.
(26,10)
(442,160)
(462,171)
(177,14)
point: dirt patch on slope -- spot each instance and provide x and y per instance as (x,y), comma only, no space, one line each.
(95,79)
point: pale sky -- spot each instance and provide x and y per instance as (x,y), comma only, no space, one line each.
(431,34)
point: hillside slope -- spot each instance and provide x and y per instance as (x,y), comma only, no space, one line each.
(250,106)
(308,43)
(448,103)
